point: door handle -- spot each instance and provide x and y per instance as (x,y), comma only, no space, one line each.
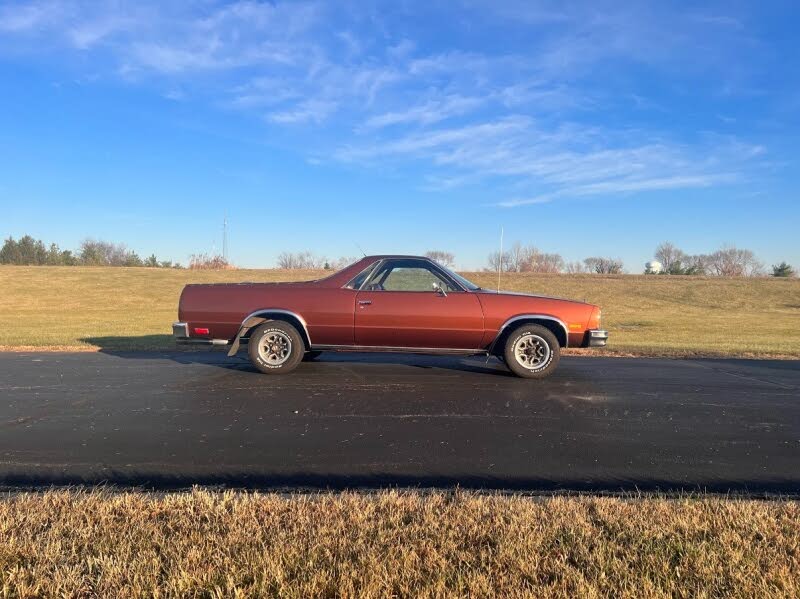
(364,302)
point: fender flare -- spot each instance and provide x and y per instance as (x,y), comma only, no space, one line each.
(254,319)
(520,317)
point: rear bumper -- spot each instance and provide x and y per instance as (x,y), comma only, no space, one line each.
(180,332)
(595,338)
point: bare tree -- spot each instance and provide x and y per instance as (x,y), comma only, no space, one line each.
(698,264)
(496,259)
(518,255)
(341,262)
(526,258)
(604,266)
(574,268)
(208,262)
(548,263)
(670,257)
(300,260)
(734,262)
(444,258)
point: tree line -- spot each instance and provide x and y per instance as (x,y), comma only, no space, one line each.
(28,251)
(308,260)
(727,261)
(528,258)
(670,260)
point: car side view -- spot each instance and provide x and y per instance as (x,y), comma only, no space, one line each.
(386,304)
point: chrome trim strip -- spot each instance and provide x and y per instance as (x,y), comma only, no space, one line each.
(369,268)
(399,350)
(529,316)
(200,341)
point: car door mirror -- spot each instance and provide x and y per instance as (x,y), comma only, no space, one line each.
(437,287)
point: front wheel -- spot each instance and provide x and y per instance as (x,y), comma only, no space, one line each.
(532,351)
(276,347)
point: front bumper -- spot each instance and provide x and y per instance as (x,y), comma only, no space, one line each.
(180,332)
(595,338)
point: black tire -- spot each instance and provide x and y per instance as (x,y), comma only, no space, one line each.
(283,355)
(540,351)
(310,356)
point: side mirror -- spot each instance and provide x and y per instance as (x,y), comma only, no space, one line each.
(437,287)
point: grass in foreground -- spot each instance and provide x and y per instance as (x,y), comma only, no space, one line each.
(71,543)
(133,308)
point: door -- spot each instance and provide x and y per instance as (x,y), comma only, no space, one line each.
(410,303)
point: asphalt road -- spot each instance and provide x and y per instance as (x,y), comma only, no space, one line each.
(174,419)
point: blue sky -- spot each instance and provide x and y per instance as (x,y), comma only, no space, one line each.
(584,128)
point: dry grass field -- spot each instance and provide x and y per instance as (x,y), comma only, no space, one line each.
(410,544)
(133,308)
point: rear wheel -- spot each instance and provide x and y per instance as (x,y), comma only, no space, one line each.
(532,351)
(275,347)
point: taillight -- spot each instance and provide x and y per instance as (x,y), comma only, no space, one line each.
(201,330)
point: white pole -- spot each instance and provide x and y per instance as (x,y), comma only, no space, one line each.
(500,260)
(225,237)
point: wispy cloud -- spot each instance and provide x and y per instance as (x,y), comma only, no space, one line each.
(27,17)
(625,186)
(428,113)
(314,111)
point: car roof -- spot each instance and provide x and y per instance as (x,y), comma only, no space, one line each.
(396,256)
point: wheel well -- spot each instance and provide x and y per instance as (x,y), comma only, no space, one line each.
(292,320)
(553,326)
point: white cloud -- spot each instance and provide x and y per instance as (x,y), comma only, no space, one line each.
(24,18)
(314,111)
(428,113)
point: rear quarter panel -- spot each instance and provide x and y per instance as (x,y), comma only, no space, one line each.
(328,311)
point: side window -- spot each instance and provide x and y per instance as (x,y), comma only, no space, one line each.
(359,279)
(407,275)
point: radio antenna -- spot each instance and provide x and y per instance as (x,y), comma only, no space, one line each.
(500,260)
(359,249)
(225,237)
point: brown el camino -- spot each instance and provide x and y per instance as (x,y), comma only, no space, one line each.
(386,304)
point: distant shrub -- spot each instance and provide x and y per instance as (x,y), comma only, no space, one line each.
(783,270)
(300,260)
(604,266)
(575,267)
(207,262)
(444,258)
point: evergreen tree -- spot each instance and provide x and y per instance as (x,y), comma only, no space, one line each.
(782,270)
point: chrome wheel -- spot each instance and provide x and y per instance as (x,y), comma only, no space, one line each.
(275,348)
(531,351)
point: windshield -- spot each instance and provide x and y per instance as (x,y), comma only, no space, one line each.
(464,282)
